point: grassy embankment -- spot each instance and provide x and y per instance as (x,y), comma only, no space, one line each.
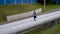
(6,10)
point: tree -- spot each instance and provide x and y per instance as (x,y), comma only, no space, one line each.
(42,1)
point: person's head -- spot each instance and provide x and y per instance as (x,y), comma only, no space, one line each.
(34,10)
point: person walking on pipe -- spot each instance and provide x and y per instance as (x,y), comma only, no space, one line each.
(34,15)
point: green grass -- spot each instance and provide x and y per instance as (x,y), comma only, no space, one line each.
(51,6)
(6,10)
(53,30)
(41,30)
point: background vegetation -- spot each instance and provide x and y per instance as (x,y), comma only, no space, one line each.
(6,10)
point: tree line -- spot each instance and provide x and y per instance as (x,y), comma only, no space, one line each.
(47,1)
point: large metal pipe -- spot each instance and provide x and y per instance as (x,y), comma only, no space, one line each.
(24,21)
(31,23)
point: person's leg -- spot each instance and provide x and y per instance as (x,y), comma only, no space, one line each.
(34,19)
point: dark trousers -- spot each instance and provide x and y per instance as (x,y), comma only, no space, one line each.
(34,18)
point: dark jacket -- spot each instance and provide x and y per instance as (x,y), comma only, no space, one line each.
(34,13)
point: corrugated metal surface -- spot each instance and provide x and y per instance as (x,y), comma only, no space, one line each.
(10,1)
(25,1)
(18,1)
(29,1)
(34,1)
(1,1)
(56,1)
